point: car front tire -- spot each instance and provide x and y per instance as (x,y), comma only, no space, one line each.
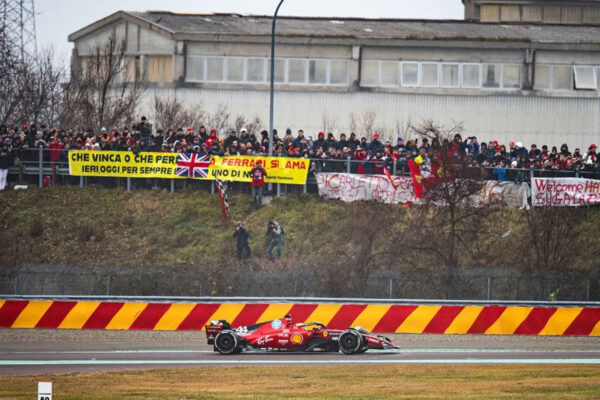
(350,342)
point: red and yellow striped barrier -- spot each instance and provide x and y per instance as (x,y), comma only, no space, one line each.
(454,319)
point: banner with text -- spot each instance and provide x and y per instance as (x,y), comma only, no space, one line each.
(185,165)
(352,187)
(506,194)
(279,169)
(571,192)
(140,165)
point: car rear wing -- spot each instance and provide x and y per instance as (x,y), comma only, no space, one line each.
(214,327)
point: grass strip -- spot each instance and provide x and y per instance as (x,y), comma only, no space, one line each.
(347,382)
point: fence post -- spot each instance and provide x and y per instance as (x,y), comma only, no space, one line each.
(489,287)
(212,187)
(395,167)
(128,184)
(531,174)
(348,164)
(391,288)
(41,166)
(81,181)
(172,186)
(278,190)
(587,291)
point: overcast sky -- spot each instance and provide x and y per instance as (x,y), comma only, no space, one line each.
(56,19)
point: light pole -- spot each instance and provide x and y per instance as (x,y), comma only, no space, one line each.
(272,80)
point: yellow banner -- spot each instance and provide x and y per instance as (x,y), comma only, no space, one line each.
(140,165)
(190,166)
(279,169)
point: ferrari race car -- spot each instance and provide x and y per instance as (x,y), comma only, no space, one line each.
(284,335)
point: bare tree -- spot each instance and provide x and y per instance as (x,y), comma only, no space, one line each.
(220,118)
(105,89)
(554,234)
(329,122)
(353,122)
(450,216)
(171,113)
(30,88)
(251,125)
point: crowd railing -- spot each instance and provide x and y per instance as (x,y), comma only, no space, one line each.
(44,167)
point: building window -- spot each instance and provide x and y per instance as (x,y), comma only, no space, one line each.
(214,68)
(410,74)
(317,71)
(255,70)
(429,75)
(585,78)
(369,75)
(491,75)
(561,77)
(296,71)
(511,76)
(194,68)
(338,72)
(235,69)
(450,75)
(542,77)
(471,76)
(279,70)
(389,73)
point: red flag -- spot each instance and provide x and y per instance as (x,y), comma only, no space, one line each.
(223,198)
(417,180)
(391,178)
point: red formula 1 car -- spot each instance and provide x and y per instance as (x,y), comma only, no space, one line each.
(284,335)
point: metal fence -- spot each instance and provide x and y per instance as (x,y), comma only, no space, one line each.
(245,280)
(43,167)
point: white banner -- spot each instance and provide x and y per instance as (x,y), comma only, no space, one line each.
(352,187)
(572,192)
(506,194)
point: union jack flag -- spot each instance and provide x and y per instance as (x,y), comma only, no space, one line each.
(192,165)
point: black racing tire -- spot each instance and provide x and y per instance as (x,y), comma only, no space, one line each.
(350,342)
(227,343)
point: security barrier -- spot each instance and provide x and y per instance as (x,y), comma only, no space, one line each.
(397,318)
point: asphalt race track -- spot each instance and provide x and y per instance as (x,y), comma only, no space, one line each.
(38,351)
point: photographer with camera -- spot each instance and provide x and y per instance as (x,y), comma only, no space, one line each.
(241,235)
(275,236)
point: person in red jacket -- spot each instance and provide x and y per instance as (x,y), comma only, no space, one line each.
(258,174)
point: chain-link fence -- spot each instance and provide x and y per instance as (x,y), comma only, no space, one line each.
(247,280)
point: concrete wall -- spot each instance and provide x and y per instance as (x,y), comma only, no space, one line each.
(139,40)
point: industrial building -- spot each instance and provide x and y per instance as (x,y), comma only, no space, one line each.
(532,79)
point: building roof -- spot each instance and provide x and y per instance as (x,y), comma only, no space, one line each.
(187,25)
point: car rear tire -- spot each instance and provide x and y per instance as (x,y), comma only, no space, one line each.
(350,342)
(227,343)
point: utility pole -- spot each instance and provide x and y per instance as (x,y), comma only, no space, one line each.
(272,79)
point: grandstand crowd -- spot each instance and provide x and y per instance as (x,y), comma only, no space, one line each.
(368,155)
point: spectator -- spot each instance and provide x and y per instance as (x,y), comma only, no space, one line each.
(375,144)
(472,146)
(258,174)
(144,127)
(241,235)
(500,172)
(320,142)
(275,236)
(6,160)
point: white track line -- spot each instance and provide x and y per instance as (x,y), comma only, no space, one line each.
(303,362)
